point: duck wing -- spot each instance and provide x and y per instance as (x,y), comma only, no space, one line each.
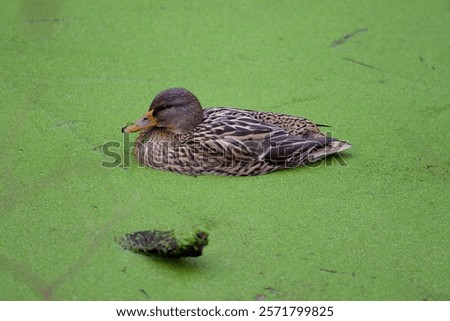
(245,140)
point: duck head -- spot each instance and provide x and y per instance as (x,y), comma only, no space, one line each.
(176,110)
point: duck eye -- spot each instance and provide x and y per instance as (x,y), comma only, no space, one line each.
(145,118)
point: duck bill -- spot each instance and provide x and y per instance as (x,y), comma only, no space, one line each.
(148,121)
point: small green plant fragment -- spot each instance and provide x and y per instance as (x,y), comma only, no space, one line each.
(164,243)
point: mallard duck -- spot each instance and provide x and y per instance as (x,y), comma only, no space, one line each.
(178,135)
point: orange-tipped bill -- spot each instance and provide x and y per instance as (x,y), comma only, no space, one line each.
(148,121)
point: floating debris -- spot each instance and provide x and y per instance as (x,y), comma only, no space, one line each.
(164,243)
(347,37)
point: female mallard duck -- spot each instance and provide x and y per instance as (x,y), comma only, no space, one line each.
(178,135)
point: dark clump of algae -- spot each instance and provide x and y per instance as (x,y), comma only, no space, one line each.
(166,244)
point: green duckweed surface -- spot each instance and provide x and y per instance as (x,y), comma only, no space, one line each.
(372,225)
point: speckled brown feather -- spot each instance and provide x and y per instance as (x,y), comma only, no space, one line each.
(236,142)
